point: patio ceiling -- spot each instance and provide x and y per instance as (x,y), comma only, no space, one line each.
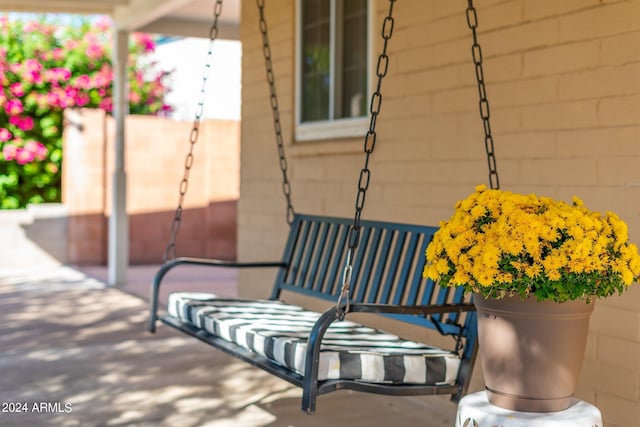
(191,18)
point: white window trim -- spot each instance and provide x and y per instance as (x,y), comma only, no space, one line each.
(330,129)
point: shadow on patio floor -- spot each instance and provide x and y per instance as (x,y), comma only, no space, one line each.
(75,353)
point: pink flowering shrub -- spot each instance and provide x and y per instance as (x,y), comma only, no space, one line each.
(46,67)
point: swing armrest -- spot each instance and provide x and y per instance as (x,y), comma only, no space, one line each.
(157,280)
(215,263)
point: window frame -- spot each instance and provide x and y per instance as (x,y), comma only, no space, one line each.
(333,128)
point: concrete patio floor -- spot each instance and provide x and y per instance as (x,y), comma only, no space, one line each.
(81,349)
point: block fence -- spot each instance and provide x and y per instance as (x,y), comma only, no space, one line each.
(154,161)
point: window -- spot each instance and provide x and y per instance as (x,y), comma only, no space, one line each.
(332,68)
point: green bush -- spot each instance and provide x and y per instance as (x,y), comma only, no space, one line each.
(45,67)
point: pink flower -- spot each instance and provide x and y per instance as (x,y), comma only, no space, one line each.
(9,152)
(83,82)
(145,40)
(32,65)
(13,107)
(24,123)
(134,98)
(139,77)
(27,124)
(57,74)
(38,150)
(32,71)
(70,96)
(81,99)
(106,104)
(53,99)
(57,53)
(5,135)
(94,49)
(103,77)
(71,44)
(31,27)
(17,90)
(24,156)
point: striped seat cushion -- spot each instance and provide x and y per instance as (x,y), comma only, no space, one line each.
(349,350)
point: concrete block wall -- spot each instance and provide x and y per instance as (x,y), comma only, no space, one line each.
(154,160)
(563,81)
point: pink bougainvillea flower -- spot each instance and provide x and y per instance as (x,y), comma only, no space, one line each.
(83,82)
(5,135)
(13,107)
(38,149)
(24,157)
(57,75)
(57,54)
(9,152)
(31,27)
(145,41)
(23,123)
(71,44)
(135,97)
(81,100)
(139,77)
(17,89)
(106,104)
(95,49)
(104,77)
(70,96)
(31,71)
(53,99)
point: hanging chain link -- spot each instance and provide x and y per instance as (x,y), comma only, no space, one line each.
(170,251)
(476,51)
(277,125)
(365,174)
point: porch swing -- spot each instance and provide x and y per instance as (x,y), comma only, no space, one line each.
(381,265)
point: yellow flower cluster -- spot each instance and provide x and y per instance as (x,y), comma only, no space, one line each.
(513,242)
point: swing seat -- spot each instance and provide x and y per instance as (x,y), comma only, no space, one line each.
(317,351)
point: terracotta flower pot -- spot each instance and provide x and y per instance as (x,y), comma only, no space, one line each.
(531,352)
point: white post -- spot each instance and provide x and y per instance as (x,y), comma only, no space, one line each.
(118,259)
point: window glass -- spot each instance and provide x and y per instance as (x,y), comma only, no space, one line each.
(334,69)
(316,33)
(354,59)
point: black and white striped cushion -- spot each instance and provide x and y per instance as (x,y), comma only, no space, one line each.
(279,332)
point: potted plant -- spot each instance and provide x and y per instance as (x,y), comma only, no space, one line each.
(535,266)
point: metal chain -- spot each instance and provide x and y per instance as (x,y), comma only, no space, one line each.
(268,63)
(170,251)
(365,173)
(476,51)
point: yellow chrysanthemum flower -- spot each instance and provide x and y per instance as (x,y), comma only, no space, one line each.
(503,240)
